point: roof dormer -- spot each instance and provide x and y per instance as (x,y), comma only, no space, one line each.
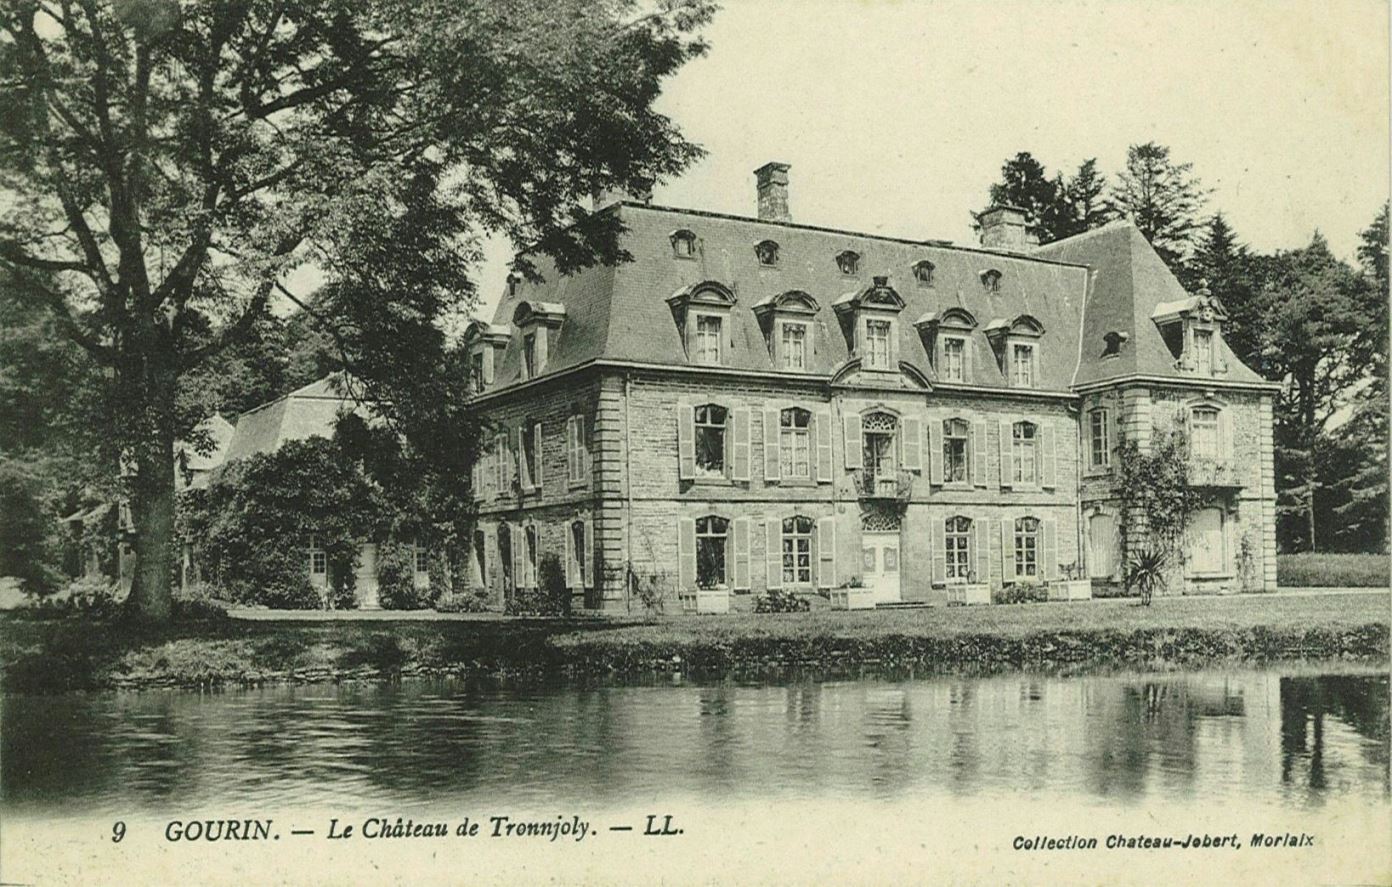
(991,280)
(787,323)
(683,243)
(1193,329)
(537,323)
(702,314)
(1016,344)
(947,338)
(869,320)
(484,342)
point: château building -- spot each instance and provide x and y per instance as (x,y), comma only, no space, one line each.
(753,404)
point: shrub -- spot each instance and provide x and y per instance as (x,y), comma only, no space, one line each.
(551,597)
(396,579)
(290,593)
(1315,568)
(1022,592)
(779,601)
(462,602)
(27,530)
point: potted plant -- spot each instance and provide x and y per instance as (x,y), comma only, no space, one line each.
(972,591)
(852,595)
(1072,584)
(713,600)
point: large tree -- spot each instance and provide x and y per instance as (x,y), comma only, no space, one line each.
(1163,199)
(1226,266)
(168,163)
(1054,206)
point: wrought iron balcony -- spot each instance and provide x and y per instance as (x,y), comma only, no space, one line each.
(874,484)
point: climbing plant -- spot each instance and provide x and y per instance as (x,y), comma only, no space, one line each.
(1155,500)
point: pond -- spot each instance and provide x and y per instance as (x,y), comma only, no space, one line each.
(1294,736)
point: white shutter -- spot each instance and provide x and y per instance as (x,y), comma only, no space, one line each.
(852,441)
(937,549)
(1047,477)
(739,468)
(979,563)
(826,552)
(539,453)
(741,572)
(572,581)
(978,454)
(686,441)
(1007,534)
(772,467)
(1007,459)
(686,553)
(773,552)
(1049,568)
(524,477)
(587,566)
(935,450)
(822,420)
(913,444)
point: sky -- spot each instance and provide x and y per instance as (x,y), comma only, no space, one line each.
(896,116)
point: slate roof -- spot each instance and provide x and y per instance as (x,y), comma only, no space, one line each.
(306,412)
(621,312)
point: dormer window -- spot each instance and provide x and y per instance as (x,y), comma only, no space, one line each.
(923,272)
(947,337)
(1112,342)
(702,313)
(849,262)
(683,243)
(1192,329)
(991,280)
(485,345)
(539,323)
(1016,343)
(868,319)
(767,252)
(787,322)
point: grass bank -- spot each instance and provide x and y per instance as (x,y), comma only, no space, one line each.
(75,654)
(1324,570)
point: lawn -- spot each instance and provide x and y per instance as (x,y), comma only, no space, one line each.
(1325,570)
(76,653)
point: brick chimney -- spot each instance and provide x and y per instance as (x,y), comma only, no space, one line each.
(1003,227)
(773,192)
(603,197)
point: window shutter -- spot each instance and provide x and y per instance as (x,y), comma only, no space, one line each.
(741,546)
(852,442)
(1113,431)
(571,471)
(938,549)
(979,563)
(913,444)
(826,552)
(572,581)
(686,441)
(518,537)
(978,454)
(1046,470)
(935,450)
(967,347)
(740,434)
(1225,434)
(587,566)
(1007,459)
(686,553)
(501,461)
(1049,569)
(773,552)
(822,421)
(772,466)
(524,477)
(586,465)
(540,451)
(1007,534)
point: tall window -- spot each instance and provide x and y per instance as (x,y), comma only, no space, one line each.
(505,557)
(794,346)
(877,432)
(797,550)
(422,559)
(480,559)
(1203,352)
(1022,365)
(476,371)
(958,538)
(711,538)
(577,547)
(877,343)
(954,367)
(532,545)
(318,558)
(710,440)
(956,433)
(529,354)
(795,442)
(1203,433)
(1026,547)
(708,339)
(1099,436)
(577,457)
(530,454)
(1025,445)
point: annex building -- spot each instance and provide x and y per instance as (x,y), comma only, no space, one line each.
(753,404)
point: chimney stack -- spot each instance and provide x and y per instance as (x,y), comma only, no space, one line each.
(641,193)
(1003,227)
(773,192)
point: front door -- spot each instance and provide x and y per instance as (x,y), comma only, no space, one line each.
(367,577)
(879,563)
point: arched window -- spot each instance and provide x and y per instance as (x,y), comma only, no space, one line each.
(957,535)
(1025,452)
(797,550)
(1203,432)
(795,443)
(579,556)
(956,439)
(848,261)
(710,423)
(1027,545)
(712,535)
(991,280)
(877,439)
(923,272)
(767,251)
(683,244)
(533,556)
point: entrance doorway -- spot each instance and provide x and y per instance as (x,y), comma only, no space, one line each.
(879,564)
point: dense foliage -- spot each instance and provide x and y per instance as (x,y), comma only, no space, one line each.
(1155,502)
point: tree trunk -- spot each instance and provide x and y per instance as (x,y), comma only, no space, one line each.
(1310,511)
(152,503)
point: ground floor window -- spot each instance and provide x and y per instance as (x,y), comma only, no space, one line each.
(480,559)
(1026,547)
(958,539)
(318,558)
(505,556)
(797,550)
(712,535)
(577,547)
(531,552)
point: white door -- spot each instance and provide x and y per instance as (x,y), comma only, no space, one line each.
(1206,550)
(879,563)
(1102,537)
(367,577)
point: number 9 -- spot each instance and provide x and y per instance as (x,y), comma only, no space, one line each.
(118,831)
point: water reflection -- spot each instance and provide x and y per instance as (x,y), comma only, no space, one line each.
(1297,739)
